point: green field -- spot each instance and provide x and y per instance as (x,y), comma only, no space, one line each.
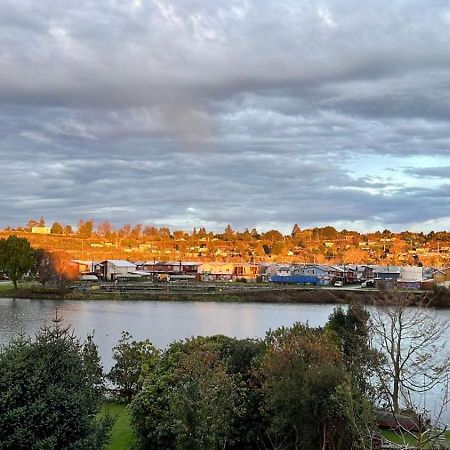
(122,435)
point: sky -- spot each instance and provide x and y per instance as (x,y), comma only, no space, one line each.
(254,113)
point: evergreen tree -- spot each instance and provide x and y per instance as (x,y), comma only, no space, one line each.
(50,393)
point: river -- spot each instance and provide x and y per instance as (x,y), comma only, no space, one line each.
(161,322)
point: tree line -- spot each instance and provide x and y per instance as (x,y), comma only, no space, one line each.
(300,387)
(318,244)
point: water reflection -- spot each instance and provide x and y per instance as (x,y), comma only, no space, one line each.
(161,322)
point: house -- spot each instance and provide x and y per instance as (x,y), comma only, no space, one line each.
(411,277)
(41,230)
(216,271)
(263,275)
(83,266)
(442,277)
(345,274)
(320,272)
(173,269)
(386,273)
(246,270)
(113,269)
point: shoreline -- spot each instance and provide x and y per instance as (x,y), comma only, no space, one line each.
(263,295)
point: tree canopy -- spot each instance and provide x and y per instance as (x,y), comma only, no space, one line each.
(17,258)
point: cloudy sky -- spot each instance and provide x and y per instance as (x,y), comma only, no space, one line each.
(257,113)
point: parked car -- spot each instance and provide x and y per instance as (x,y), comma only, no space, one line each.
(338,283)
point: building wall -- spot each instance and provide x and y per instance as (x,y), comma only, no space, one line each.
(112,271)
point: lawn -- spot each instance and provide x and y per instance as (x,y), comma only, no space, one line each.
(406,439)
(6,286)
(122,435)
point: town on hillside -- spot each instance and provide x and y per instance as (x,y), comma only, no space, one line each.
(317,256)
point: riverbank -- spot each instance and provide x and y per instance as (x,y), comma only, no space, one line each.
(252,294)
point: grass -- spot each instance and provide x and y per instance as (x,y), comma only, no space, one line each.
(406,438)
(6,286)
(122,435)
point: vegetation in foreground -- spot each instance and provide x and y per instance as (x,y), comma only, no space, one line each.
(301,388)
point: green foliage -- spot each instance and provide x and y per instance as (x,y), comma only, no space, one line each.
(133,359)
(202,401)
(290,391)
(200,396)
(50,392)
(17,258)
(351,331)
(302,371)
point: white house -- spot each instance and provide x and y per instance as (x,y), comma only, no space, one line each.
(111,269)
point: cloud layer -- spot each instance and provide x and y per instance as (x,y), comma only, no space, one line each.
(255,113)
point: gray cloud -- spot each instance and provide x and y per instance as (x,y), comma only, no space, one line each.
(249,112)
(442,172)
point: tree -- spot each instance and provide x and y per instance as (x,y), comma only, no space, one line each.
(411,341)
(272,236)
(55,267)
(50,393)
(31,223)
(85,228)
(68,229)
(352,330)
(133,359)
(17,258)
(295,231)
(45,267)
(279,248)
(228,233)
(202,401)
(301,373)
(201,394)
(104,229)
(57,228)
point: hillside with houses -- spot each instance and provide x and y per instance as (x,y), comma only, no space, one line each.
(318,256)
(320,245)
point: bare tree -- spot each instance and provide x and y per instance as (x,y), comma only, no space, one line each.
(414,360)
